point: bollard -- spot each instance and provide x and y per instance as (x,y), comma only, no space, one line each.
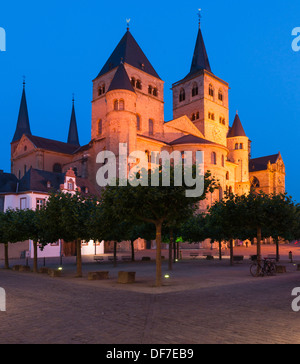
(291,256)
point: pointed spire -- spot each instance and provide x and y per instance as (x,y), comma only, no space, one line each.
(132,54)
(200,59)
(121,80)
(23,126)
(73,131)
(237,129)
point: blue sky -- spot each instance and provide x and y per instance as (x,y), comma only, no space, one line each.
(60,46)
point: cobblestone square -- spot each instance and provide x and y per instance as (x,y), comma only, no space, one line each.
(202,302)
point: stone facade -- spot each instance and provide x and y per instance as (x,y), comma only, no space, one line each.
(133,113)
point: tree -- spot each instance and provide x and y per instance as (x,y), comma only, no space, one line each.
(68,217)
(152,204)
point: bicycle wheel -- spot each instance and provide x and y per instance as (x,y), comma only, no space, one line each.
(256,270)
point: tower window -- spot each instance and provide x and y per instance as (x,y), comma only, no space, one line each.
(121,105)
(211,116)
(138,84)
(241,146)
(222,120)
(133,82)
(227,176)
(138,122)
(193,118)
(150,90)
(236,146)
(211,90)
(195,89)
(181,95)
(213,158)
(151,131)
(100,127)
(101,90)
(116,105)
(155,92)
(220,95)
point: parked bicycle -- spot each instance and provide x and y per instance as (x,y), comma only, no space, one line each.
(266,267)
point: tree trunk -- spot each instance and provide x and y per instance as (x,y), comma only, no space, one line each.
(220,250)
(174,249)
(115,253)
(231,251)
(170,249)
(178,251)
(6,266)
(132,251)
(79,259)
(35,265)
(158,254)
(277,249)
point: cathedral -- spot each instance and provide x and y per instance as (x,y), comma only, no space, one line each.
(128,107)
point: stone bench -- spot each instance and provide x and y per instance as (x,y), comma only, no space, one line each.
(126,277)
(98,276)
(98,258)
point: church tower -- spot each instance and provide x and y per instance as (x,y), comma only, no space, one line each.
(203,97)
(23,126)
(238,145)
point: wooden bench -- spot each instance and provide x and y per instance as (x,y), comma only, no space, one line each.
(98,258)
(238,258)
(126,258)
(194,255)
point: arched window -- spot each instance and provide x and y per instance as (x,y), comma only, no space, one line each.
(121,105)
(100,127)
(193,118)
(213,158)
(101,90)
(133,82)
(57,168)
(254,182)
(195,89)
(197,115)
(241,146)
(223,160)
(138,122)
(236,146)
(71,185)
(227,176)
(211,90)
(220,95)
(116,105)
(155,92)
(151,127)
(150,89)
(181,95)
(138,84)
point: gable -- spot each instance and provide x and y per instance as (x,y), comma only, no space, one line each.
(184,125)
(24,146)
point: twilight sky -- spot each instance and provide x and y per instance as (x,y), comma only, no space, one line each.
(60,46)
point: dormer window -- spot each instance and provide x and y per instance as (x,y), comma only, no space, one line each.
(71,185)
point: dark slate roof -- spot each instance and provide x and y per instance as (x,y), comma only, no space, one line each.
(128,51)
(237,128)
(200,58)
(36,180)
(121,80)
(53,145)
(73,131)
(190,139)
(261,164)
(8,182)
(23,126)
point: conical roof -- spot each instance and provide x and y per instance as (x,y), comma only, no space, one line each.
(237,128)
(128,51)
(23,126)
(73,131)
(200,58)
(121,80)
